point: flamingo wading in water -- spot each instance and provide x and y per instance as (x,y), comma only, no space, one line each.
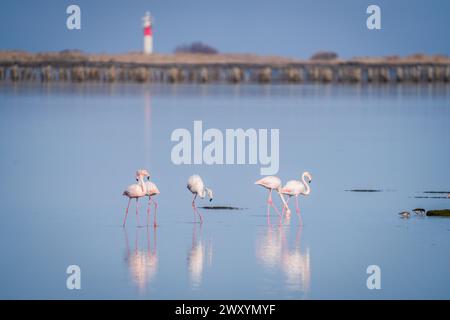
(152,190)
(272,183)
(135,191)
(294,188)
(196,185)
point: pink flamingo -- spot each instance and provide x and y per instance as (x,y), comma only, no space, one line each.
(152,190)
(135,191)
(272,183)
(294,188)
(196,185)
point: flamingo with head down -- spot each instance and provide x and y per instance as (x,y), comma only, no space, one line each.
(272,183)
(196,185)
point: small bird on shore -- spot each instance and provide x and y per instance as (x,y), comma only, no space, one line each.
(135,191)
(273,183)
(196,185)
(405,214)
(419,211)
(294,188)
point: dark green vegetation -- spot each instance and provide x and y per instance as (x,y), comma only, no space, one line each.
(439,213)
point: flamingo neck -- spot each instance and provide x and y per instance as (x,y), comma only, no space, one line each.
(142,185)
(202,194)
(306,184)
(282,198)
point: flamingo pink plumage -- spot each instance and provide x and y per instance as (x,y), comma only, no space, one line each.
(196,185)
(272,183)
(135,191)
(294,188)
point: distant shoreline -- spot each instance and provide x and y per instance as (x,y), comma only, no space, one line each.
(74,66)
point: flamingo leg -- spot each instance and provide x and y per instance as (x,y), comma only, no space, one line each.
(137,211)
(278,212)
(297,209)
(284,207)
(156,207)
(200,215)
(270,204)
(269,201)
(288,216)
(196,212)
(148,209)
(193,207)
(126,212)
(284,204)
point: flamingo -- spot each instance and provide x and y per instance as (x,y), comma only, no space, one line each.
(196,185)
(272,183)
(294,188)
(152,190)
(135,191)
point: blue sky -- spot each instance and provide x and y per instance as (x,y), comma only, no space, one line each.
(295,28)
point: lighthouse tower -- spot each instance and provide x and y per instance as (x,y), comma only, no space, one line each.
(148,35)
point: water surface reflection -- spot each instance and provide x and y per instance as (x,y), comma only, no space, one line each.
(142,261)
(278,253)
(350,137)
(197,255)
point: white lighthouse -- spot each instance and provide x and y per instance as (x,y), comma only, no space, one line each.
(148,34)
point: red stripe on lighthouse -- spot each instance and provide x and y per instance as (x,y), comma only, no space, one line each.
(148,31)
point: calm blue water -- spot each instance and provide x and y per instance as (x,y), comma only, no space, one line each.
(68,152)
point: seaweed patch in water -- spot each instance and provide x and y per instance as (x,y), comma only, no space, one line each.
(364,190)
(438,192)
(220,208)
(427,197)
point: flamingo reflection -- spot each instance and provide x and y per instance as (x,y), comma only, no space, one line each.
(296,266)
(275,253)
(196,257)
(142,263)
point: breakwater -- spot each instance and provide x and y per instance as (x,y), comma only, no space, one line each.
(71,67)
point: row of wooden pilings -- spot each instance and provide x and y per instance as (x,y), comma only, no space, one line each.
(233,74)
